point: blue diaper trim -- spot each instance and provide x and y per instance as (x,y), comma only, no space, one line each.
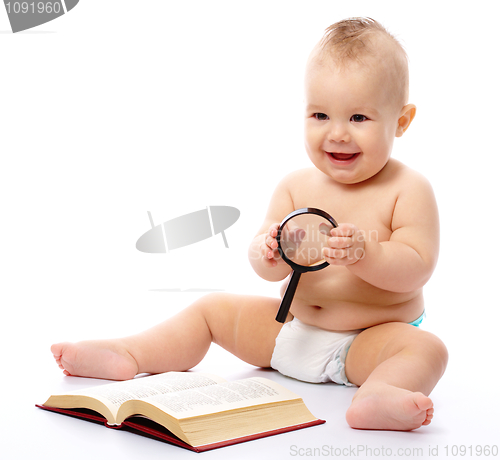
(419,320)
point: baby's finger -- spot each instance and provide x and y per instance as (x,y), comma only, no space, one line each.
(271,243)
(270,238)
(273,230)
(325,228)
(273,254)
(340,242)
(334,256)
(343,230)
(267,252)
(270,262)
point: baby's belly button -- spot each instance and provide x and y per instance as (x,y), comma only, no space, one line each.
(311,308)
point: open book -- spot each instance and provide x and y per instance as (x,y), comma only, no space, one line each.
(197,411)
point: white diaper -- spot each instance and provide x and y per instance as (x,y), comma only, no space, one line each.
(312,354)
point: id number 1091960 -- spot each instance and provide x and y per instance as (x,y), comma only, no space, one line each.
(476,451)
(33,7)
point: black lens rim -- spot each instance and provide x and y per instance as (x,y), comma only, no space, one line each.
(298,212)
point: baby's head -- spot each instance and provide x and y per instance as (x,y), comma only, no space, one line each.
(356,100)
(365,43)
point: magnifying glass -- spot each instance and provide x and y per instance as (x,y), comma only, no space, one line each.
(301,238)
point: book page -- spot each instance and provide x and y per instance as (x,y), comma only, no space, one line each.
(218,398)
(114,395)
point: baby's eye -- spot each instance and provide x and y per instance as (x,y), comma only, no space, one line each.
(320,116)
(358,118)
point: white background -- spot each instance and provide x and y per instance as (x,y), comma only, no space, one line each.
(122,107)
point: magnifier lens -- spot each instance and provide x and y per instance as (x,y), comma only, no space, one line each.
(303,238)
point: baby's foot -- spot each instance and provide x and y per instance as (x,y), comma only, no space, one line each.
(104,359)
(385,407)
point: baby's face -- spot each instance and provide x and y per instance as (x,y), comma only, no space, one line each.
(351,120)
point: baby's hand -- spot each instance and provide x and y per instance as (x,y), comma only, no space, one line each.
(270,246)
(346,246)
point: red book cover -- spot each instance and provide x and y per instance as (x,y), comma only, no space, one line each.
(146,427)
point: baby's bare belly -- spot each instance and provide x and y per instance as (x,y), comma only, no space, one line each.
(337,300)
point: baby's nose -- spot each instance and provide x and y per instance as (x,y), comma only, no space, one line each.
(338,132)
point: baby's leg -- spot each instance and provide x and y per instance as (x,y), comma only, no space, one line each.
(243,325)
(396,366)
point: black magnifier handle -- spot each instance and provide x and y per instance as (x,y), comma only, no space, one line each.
(287,298)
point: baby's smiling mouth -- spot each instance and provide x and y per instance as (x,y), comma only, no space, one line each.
(342,156)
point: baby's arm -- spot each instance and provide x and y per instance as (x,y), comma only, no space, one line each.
(263,251)
(407,260)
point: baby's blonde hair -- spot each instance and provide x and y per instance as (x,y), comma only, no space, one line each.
(355,39)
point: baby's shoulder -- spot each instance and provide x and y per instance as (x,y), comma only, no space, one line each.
(412,190)
(405,178)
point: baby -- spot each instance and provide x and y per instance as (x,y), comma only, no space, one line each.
(354,322)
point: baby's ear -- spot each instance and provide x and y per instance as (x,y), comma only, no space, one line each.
(407,115)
